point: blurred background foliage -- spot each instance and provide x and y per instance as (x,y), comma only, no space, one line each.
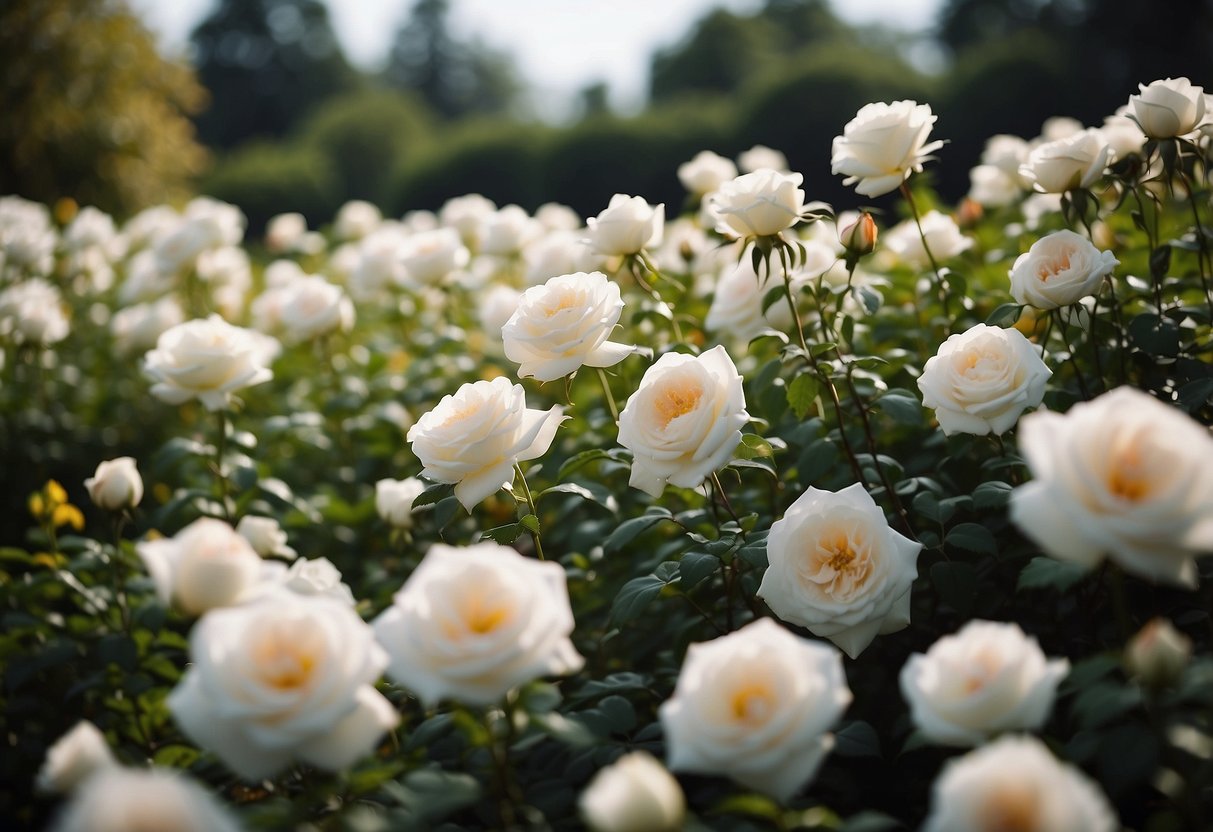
(92,112)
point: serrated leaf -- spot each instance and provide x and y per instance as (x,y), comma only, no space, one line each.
(433,494)
(695,567)
(802,394)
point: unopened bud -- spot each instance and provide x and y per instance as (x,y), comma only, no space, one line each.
(969,213)
(1158,654)
(859,238)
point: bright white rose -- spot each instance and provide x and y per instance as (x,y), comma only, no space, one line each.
(311,307)
(208,359)
(115,485)
(557,253)
(1014,783)
(472,623)
(626,226)
(986,679)
(756,705)
(991,187)
(497,305)
(883,145)
(1063,165)
(1059,269)
(1168,108)
(283,678)
(476,436)
(318,576)
(137,328)
(75,757)
(837,569)
(564,324)
(429,257)
(633,794)
(684,421)
(1122,133)
(265,536)
(285,232)
(982,379)
(465,214)
(507,231)
(760,156)
(33,312)
(125,799)
(204,566)
(943,235)
(706,172)
(758,204)
(736,308)
(394,500)
(554,216)
(356,219)
(1122,475)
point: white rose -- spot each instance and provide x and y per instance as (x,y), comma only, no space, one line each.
(758,204)
(317,576)
(356,219)
(1065,164)
(285,232)
(125,799)
(115,485)
(706,172)
(507,231)
(207,359)
(736,308)
(684,421)
(1123,475)
(1015,783)
(991,187)
(265,536)
(626,226)
(75,757)
(756,705)
(429,257)
(1168,108)
(394,500)
(837,569)
(557,253)
(472,623)
(310,306)
(554,216)
(883,145)
(1158,654)
(1122,133)
(982,379)
(983,680)
(476,436)
(204,566)
(760,156)
(944,238)
(1059,269)
(285,677)
(564,324)
(137,328)
(633,794)
(32,312)
(497,305)
(465,214)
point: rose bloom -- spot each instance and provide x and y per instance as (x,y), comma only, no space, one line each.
(837,569)
(943,237)
(75,757)
(706,172)
(476,436)
(1168,108)
(684,421)
(130,800)
(32,312)
(564,324)
(506,232)
(116,484)
(315,576)
(983,680)
(465,214)
(626,226)
(284,232)
(1158,654)
(633,794)
(756,705)
(137,328)
(472,623)
(1123,133)
(312,307)
(883,145)
(283,678)
(207,359)
(394,500)
(736,308)
(1063,165)
(1015,783)
(1122,475)
(265,536)
(557,253)
(760,156)
(356,219)
(1059,269)
(758,204)
(430,256)
(204,566)
(554,216)
(982,379)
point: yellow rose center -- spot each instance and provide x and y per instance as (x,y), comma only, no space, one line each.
(986,665)
(566,300)
(1011,809)
(1053,268)
(751,703)
(677,400)
(285,661)
(838,562)
(1127,476)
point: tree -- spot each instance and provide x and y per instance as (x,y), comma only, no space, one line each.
(267,64)
(456,78)
(91,110)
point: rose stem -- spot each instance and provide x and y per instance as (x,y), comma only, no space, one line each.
(1065,339)
(943,294)
(643,259)
(1202,250)
(610,397)
(530,501)
(220,452)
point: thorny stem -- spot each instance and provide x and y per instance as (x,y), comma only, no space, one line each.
(530,501)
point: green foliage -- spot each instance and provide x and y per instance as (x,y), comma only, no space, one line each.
(269,179)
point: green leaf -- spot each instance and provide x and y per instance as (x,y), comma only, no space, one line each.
(433,494)
(629,530)
(1047,573)
(902,406)
(1005,315)
(176,756)
(529,522)
(752,805)
(1104,702)
(972,537)
(579,460)
(802,394)
(505,535)
(119,649)
(956,583)
(992,494)
(1154,335)
(1160,262)
(857,739)
(870,821)
(774,295)
(695,567)
(637,594)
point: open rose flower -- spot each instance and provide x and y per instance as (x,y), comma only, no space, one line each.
(982,379)
(206,565)
(1123,475)
(394,500)
(286,677)
(706,172)
(123,799)
(883,145)
(758,204)
(1059,269)
(983,680)
(1065,164)
(472,623)
(476,436)
(837,568)
(626,226)
(1168,108)
(685,420)
(1014,783)
(73,759)
(430,256)
(633,794)
(310,307)
(756,705)
(207,359)
(564,324)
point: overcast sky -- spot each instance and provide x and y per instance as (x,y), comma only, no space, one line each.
(559,46)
